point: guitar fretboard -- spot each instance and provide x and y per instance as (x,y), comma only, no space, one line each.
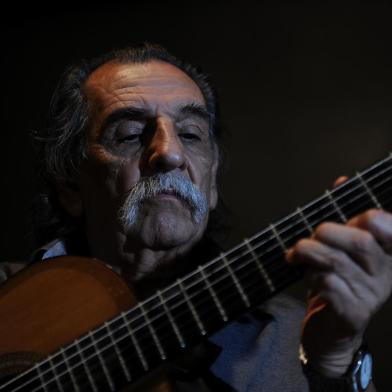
(197,305)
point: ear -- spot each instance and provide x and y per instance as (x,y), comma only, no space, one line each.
(213,185)
(70,199)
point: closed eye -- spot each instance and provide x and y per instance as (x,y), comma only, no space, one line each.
(189,136)
(130,138)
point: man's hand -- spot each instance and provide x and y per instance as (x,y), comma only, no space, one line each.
(349,275)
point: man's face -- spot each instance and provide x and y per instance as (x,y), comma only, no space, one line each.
(146,120)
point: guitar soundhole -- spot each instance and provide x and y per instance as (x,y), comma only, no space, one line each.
(12,364)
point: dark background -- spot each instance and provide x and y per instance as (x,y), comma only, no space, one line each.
(306,93)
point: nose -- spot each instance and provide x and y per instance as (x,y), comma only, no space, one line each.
(165,152)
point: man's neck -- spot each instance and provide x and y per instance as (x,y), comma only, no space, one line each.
(169,270)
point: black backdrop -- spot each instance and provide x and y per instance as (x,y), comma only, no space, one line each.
(306,93)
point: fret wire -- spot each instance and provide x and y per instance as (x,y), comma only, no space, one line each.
(370,193)
(282,277)
(86,368)
(152,331)
(103,364)
(135,343)
(218,304)
(281,269)
(260,266)
(55,375)
(172,321)
(272,260)
(41,378)
(237,284)
(350,181)
(192,308)
(273,263)
(351,191)
(118,353)
(232,292)
(346,185)
(304,219)
(69,370)
(278,237)
(335,205)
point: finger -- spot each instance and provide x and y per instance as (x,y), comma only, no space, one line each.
(378,223)
(320,258)
(323,257)
(358,243)
(310,252)
(345,303)
(340,180)
(359,283)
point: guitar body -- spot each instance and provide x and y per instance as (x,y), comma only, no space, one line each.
(50,304)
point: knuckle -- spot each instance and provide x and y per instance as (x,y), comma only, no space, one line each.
(334,260)
(322,230)
(327,281)
(373,213)
(369,218)
(363,242)
(301,247)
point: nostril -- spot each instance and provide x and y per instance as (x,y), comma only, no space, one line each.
(160,165)
(166,160)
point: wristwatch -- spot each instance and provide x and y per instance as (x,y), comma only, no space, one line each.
(360,370)
(356,379)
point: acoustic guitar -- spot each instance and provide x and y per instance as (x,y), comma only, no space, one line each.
(71,324)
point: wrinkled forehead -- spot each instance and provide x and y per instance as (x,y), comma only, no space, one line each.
(154,85)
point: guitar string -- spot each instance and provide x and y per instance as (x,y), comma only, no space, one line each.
(213,282)
(254,286)
(316,211)
(113,371)
(329,204)
(152,347)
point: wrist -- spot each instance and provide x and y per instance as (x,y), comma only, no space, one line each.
(332,363)
(357,377)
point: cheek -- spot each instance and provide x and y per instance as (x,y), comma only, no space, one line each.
(128,174)
(111,175)
(202,174)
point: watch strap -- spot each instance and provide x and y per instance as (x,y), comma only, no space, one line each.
(349,382)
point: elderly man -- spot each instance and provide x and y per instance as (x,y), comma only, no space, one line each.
(130,158)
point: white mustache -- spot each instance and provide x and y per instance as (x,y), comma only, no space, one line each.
(170,183)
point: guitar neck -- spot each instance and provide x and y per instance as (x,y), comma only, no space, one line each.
(203,301)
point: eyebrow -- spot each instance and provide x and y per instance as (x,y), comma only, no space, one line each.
(132,112)
(196,109)
(128,112)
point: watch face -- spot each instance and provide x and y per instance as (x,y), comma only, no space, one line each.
(366,371)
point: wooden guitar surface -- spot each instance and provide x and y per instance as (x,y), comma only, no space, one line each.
(52,303)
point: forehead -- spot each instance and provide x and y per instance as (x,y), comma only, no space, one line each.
(154,85)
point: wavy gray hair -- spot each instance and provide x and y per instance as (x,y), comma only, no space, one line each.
(61,147)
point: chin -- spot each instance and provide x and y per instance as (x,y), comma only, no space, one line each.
(167,231)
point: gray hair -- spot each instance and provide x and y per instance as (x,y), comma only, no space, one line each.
(62,146)
(149,187)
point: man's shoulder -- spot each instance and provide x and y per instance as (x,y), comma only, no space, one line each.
(54,248)
(9,268)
